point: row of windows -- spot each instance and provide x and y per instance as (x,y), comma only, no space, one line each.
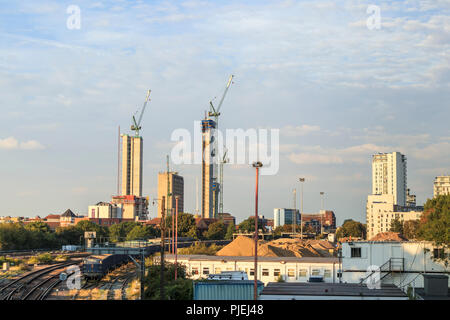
(266,273)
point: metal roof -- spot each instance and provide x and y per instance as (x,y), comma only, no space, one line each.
(330,289)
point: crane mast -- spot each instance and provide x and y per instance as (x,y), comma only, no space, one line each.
(216,113)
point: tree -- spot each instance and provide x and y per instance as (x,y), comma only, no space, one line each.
(216,231)
(435,221)
(410,229)
(248,225)
(38,226)
(351,228)
(180,289)
(201,248)
(141,233)
(396,226)
(230,230)
(70,235)
(286,228)
(120,231)
(85,225)
(186,222)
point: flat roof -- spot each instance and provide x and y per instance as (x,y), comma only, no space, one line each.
(331,289)
(198,257)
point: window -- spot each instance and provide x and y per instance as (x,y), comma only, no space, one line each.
(265,272)
(217,270)
(194,270)
(276,272)
(302,273)
(291,273)
(315,272)
(327,273)
(439,253)
(355,252)
(205,270)
(252,272)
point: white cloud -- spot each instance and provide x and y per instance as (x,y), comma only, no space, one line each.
(13,143)
(9,143)
(31,145)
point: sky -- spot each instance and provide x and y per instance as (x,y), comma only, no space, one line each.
(337,90)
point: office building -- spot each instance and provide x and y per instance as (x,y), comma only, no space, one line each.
(441,185)
(175,188)
(282,216)
(389,176)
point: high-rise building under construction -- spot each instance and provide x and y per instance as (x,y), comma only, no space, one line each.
(210,186)
(131,165)
(134,206)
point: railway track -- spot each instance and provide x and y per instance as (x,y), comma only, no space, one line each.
(116,280)
(42,288)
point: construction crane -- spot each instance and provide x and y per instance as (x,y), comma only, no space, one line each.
(136,126)
(216,113)
(222,162)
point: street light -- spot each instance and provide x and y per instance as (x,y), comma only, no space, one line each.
(321,214)
(256,165)
(301,206)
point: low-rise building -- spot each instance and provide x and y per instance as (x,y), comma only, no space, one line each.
(400,262)
(290,269)
(381,211)
(227,218)
(326,218)
(105,210)
(133,207)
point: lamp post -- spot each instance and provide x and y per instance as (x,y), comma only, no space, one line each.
(321,213)
(294,214)
(256,165)
(301,206)
(176,235)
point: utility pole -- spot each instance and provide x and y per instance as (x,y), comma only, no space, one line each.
(256,165)
(301,211)
(168,187)
(163,229)
(176,236)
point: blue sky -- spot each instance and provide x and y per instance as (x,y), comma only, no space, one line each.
(337,91)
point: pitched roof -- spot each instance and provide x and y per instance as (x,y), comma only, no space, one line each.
(388,236)
(68,213)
